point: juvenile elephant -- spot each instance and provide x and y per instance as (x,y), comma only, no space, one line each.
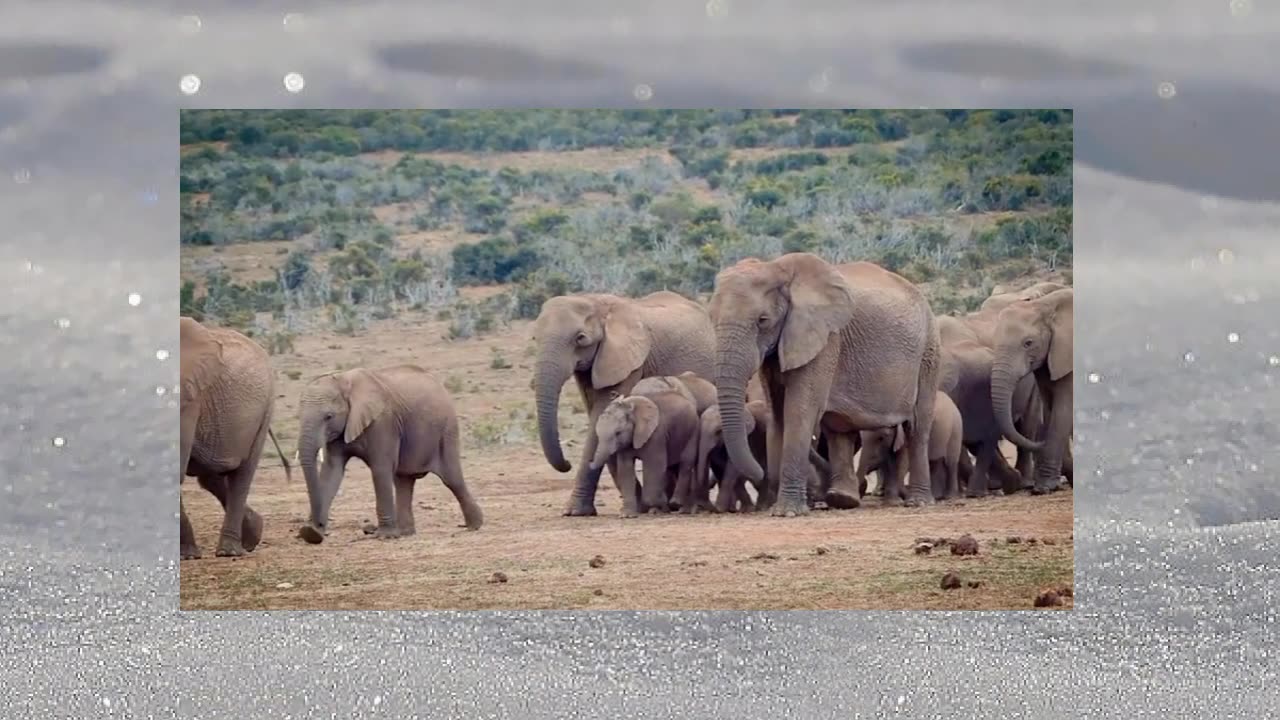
(700,392)
(711,451)
(966,378)
(659,430)
(400,421)
(883,451)
(227,397)
(841,348)
(1035,337)
(607,344)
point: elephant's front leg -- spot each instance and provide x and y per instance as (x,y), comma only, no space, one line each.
(625,479)
(251,526)
(583,500)
(768,491)
(844,491)
(1057,434)
(920,491)
(654,486)
(187,536)
(730,489)
(404,504)
(981,468)
(385,500)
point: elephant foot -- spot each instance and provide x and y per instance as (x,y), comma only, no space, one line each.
(892,500)
(230,548)
(579,508)
(1045,490)
(657,510)
(311,534)
(387,532)
(251,530)
(841,500)
(190,552)
(790,507)
(688,509)
(974,493)
(918,500)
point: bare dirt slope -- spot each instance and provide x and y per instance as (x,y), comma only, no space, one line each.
(830,560)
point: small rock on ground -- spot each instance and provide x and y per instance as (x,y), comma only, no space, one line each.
(596,562)
(821,550)
(950,581)
(966,545)
(924,548)
(498,577)
(1048,598)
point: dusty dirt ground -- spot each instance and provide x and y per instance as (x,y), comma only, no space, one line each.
(857,559)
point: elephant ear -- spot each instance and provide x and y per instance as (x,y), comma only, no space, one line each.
(821,304)
(367,400)
(645,413)
(1062,342)
(624,349)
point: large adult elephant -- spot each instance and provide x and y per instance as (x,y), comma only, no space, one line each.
(966,379)
(227,397)
(841,348)
(984,320)
(607,344)
(400,421)
(1035,337)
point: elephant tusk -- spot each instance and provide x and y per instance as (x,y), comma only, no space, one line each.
(297,456)
(321,454)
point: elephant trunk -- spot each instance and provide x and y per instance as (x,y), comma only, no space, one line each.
(701,476)
(1004,378)
(604,449)
(550,376)
(309,440)
(736,360)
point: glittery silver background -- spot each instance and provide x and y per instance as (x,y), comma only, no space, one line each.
(1178,158)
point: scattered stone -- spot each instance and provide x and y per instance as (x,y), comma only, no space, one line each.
(1066,591)
(950,581)
(369,528)
(284,586)
(1032,541)
(924,548)
(1048,541)
(821,550)
(920,540)
(942,541)
(1048,598)
(765,556)
(498,577)
(696,563)
(966,545)
(597,592)
(1013,540)
(975,583)
(596,562)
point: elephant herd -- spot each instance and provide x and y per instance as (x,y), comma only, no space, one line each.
(793,367)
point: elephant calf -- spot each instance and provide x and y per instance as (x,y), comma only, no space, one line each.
(660,430)
(711,448)
(401,422)
(946,436)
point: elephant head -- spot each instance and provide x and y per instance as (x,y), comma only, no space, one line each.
(1032,336)
(600,338)
(627,422)
(788,309)
(333,408)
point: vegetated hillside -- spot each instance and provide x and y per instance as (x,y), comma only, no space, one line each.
(293,221)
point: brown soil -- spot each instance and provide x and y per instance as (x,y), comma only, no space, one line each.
(862,558)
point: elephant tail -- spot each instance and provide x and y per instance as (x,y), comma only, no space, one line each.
(288,473)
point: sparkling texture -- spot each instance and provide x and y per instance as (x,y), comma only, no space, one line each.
(135,299)
(1166,90)
(643,92)
(1176,580)
(189,84)
(294,82)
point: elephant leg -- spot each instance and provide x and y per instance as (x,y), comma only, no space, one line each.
(187,546)
(1066,464)
(745,503)
(1057,434)
(803,403)
(981,469)
(1003,478)
(583,500)
(404,504)
(844,493)
(384,500)
(689,500)
(653,489)
(937,480)
(230,542)
(251,527)
(731,488)
(451,474)
(964,468)
(773,473)
(918,430)
(625,480)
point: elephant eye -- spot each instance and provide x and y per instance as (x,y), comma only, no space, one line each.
(581,339)
(762,320)
(1028,343)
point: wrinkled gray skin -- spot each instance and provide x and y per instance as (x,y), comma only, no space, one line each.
(702,394)
(398,420)
(659,430)
(1035,338)
(966,379)
(227,398)
(607,344)
(883,451)
(732,495)
(843,348)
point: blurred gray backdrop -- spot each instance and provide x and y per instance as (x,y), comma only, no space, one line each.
(1177,245)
